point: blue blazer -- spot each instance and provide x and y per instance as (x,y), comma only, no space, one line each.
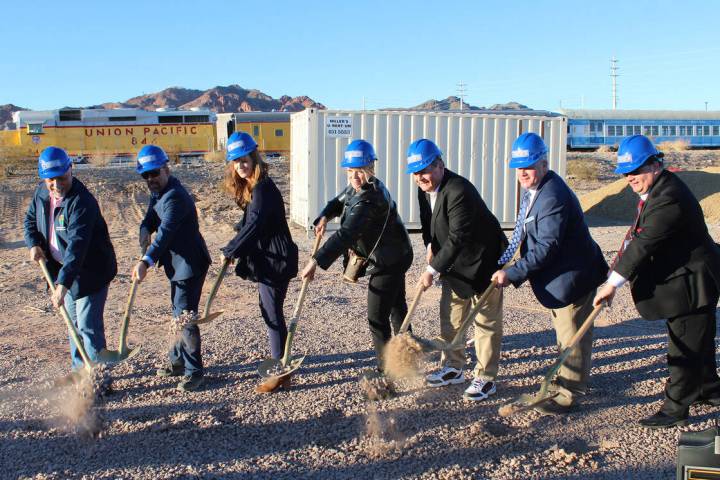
(82,235)
(558,255)
(178,244)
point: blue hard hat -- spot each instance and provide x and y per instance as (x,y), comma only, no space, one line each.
(420,154)
(238,145)
(150,157)
(358,154)
(53,162)
(527,150)
(633,152)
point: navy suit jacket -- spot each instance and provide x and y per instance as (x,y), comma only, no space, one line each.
(178,244)
(557,255)
(82,235)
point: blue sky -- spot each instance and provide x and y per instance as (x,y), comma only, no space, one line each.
(392,53)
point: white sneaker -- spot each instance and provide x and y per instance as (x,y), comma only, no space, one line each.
(444,376)
(479,390)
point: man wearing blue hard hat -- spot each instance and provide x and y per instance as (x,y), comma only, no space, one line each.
(560,259)
(64,227)
(463,242)
(673,266)
(180,248)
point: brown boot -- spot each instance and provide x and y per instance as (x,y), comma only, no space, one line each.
(273,384)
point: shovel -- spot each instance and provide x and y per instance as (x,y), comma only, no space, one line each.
(528,401)
(207,316)
(123,352)
(87,363)
(271,367)
(406,321)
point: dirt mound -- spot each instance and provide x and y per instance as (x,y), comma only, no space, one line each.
(403,357)
(616,201)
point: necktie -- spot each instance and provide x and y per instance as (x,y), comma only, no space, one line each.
(628,236)
(517,231)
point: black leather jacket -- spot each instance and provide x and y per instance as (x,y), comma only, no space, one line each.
(363,215)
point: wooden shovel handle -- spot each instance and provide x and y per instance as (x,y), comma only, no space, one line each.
(406,321)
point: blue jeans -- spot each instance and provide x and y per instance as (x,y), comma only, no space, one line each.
(271,308)
(87,315)
(185,295)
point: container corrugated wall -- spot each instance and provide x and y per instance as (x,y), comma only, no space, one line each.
(476,146)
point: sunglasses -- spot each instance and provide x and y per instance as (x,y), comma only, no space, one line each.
(150,174)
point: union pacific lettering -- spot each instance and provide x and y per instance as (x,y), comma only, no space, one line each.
(147,130)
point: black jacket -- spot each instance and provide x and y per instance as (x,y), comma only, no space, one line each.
(82,235)
(363,215)
(465,237)
(672,262)
(263,247)
(178,244)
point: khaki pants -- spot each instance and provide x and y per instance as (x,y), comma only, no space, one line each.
(573,376)
(488,330)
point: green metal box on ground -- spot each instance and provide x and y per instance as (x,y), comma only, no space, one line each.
(698,457)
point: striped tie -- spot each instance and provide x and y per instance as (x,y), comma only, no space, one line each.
(517,231)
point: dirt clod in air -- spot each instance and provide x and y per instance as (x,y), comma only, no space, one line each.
(77,403)
(384,437)
(375,386)
(403,357)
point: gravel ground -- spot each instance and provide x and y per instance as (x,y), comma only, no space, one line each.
(322,427)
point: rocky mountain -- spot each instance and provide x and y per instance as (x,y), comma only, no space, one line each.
(453,103)
(6,112)
(232,98)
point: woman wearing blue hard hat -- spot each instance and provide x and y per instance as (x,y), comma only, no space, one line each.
(263,248)
(372,239)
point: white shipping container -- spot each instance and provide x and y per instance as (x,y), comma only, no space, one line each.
(474,145)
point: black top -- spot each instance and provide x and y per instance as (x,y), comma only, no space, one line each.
(263,246)
(82,235)
(672,262)
(363,215)
(465,237)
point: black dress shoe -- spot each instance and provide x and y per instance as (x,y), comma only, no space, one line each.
(551,407)
(713,402)
(663,420)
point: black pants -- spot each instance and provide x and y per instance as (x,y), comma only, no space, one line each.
(185,295)
(691,360)
(386,305)
(272,299)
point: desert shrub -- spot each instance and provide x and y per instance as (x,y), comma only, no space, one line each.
(674,146)
(217,156)
(606,148)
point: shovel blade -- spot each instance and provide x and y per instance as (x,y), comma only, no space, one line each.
(271,367)
(208,318)
(116,356)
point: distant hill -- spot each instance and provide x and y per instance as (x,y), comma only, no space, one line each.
(453,103)
(6,112)
(232,98)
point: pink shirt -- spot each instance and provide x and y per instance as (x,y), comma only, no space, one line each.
(54,249)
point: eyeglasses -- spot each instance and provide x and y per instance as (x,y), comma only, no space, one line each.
(640,170)
(150,174)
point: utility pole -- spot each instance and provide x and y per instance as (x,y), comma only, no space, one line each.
(462,90)
(363,103)
(613,76)
(706,106)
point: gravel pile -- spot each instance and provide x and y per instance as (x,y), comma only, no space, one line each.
(323,427)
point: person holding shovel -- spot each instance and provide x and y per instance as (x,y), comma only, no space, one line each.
(64,227)
(560,259)
(463,242)
(180,248)
(373,240)
(263,247)
(673,266)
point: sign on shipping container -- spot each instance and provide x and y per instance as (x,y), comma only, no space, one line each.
(474,145)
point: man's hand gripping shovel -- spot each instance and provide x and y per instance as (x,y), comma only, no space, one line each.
(277,369)
(530,401)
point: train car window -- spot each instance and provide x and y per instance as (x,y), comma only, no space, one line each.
(197,118)
(646,130)
(706,130)
(698,130)
(716,130)
(170,119)
(654,130)
(279,132)
(673,131)
(34,128)
(256,130)
(69,115)
(122,119)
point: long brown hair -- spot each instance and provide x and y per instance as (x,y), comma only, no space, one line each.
(241,188)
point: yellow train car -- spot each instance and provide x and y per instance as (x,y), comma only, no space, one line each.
(112,134)
(271,130)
